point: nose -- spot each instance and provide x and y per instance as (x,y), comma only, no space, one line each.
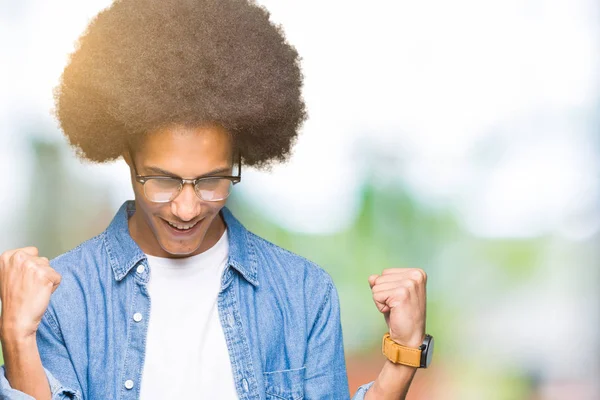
(186,206)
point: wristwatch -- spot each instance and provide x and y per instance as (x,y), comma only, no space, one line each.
(398,354)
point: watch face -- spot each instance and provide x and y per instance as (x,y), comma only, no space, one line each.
(429,354)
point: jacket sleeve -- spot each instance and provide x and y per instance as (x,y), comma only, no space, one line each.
(326,376)
(63,381)
(362,391)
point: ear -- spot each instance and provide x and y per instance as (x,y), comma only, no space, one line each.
(127,159)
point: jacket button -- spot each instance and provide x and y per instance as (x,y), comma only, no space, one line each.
(128,384)
(137,317)
(140,269)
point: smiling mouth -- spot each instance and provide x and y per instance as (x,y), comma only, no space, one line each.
(182,227)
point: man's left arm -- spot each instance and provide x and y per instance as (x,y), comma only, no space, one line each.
(400,295)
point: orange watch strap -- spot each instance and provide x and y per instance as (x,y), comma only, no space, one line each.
(399,354)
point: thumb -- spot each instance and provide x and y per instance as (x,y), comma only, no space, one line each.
(372,279)
(55,278)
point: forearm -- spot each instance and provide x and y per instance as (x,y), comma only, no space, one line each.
(392,383)
(23,366)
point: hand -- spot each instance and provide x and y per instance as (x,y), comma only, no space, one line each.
(26,284)
(400,294)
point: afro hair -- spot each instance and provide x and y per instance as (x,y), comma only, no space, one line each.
(145,64)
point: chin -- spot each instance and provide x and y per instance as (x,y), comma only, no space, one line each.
(182,246)
(180,251)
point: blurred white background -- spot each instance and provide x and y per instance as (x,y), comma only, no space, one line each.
(488,110)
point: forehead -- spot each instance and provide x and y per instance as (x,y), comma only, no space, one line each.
(187,151)
(178,140)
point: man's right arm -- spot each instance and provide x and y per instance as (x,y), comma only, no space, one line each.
(62,381)
(26,284)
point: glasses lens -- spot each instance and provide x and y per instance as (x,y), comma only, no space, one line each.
(213,189)
(161,190)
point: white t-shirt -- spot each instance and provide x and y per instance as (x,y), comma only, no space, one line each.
(186,353)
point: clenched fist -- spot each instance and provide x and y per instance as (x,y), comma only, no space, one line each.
(26,284)
(399,293)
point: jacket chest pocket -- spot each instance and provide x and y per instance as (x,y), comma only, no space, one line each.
(287,384)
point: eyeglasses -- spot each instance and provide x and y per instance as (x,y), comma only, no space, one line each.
(163,189)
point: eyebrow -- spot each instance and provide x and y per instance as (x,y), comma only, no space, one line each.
(161,171)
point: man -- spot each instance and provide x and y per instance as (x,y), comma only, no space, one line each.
(176,299)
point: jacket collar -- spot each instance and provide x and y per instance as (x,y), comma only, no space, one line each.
(124,253)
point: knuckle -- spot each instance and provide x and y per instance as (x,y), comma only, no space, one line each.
(22,256)
(30,264)
(402,293)
(19,256)
(41,274)
(418,275)
(31,250)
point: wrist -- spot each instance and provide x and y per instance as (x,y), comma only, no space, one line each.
(16,335)
(413,342)
(419,357)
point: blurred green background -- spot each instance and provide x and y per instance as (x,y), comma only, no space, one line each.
(459,138)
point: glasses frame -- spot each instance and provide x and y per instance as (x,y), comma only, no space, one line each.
(144,178)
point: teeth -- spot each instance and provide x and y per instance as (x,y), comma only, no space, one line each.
(182,227)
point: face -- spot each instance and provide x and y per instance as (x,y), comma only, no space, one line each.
(187,153)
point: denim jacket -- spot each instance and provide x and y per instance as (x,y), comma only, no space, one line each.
(280,316)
